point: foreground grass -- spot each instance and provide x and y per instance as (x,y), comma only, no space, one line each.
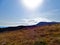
(45,35)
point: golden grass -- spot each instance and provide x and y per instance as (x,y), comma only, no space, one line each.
(48,35)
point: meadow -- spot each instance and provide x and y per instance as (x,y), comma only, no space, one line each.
(39,35)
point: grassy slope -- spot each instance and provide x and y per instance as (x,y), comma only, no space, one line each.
(49,34)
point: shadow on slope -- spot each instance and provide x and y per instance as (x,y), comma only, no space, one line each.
(25,27)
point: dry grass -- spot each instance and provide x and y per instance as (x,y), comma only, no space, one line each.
(44,35)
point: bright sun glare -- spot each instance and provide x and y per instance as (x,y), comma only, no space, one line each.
(32,4)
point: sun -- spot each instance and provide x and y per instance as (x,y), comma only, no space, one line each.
(31,4)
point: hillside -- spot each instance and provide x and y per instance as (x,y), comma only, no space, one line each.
(36,35)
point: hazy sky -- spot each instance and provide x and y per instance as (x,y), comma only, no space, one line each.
(12,12)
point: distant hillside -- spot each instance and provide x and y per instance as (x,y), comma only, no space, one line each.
(47,23)
(3,29)
(31,35)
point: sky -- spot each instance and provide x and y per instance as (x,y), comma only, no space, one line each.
(16,12)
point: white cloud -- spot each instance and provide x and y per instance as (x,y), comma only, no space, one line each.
(26,22)
(35,20)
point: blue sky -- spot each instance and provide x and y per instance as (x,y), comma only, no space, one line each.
(12,12)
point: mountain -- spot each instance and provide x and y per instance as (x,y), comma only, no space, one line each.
(5,28)
(31,35)
(46,23)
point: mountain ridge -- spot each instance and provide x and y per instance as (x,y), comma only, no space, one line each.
(26,27)
(31,35)
(47,23)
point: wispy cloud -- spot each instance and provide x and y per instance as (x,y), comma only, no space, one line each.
(53,15)
(25,22)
